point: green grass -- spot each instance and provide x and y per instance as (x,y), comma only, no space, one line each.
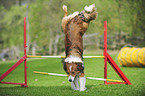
(44,85)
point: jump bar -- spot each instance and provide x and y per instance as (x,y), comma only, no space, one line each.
(36,72)
(29,56)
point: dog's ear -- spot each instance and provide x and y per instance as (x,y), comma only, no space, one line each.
(64,64)
(94,9)
(80,67)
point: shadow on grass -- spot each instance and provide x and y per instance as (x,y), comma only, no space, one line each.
(42,91)
(92,90)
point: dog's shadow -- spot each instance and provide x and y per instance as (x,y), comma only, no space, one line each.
(42,90)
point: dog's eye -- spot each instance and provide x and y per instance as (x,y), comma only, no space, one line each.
(73,72)
(88,12)
(67,72)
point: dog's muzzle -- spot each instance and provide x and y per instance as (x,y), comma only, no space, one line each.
(71,78)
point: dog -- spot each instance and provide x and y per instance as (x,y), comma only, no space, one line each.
(74,27)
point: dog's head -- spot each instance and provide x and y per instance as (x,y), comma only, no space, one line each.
(73,68)
(90,12)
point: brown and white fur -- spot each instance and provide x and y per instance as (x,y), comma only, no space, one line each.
(74,27)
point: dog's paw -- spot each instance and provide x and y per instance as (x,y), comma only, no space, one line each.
(89,8)
(76,89)
(83,89)
(64,7)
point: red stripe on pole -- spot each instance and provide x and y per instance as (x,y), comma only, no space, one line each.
(25,52)
(13,83)
(12,68)
(111,62)
(105,50)
(18,63)
(118,70)
(25,36)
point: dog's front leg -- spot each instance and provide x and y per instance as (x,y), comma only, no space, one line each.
(82,82)
(74,84)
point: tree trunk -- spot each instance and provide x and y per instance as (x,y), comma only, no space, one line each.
(34,48)
(28,29)
(16,52)
(119,10)
(55,44)
(50,46)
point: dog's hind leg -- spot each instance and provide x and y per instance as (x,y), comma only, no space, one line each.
(65,10)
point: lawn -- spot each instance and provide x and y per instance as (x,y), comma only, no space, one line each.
(44,85)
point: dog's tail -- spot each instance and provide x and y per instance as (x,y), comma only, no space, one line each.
(65,10)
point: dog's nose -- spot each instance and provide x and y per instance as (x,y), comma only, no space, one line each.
(70,80)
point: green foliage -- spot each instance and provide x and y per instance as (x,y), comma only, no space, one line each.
(45,20)
(12,26)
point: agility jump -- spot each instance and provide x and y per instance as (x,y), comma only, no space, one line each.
(63,56)
(63,75)
(106,56)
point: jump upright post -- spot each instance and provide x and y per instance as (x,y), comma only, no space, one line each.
(111,62)
(105,51)
(106,56)
(23,59)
